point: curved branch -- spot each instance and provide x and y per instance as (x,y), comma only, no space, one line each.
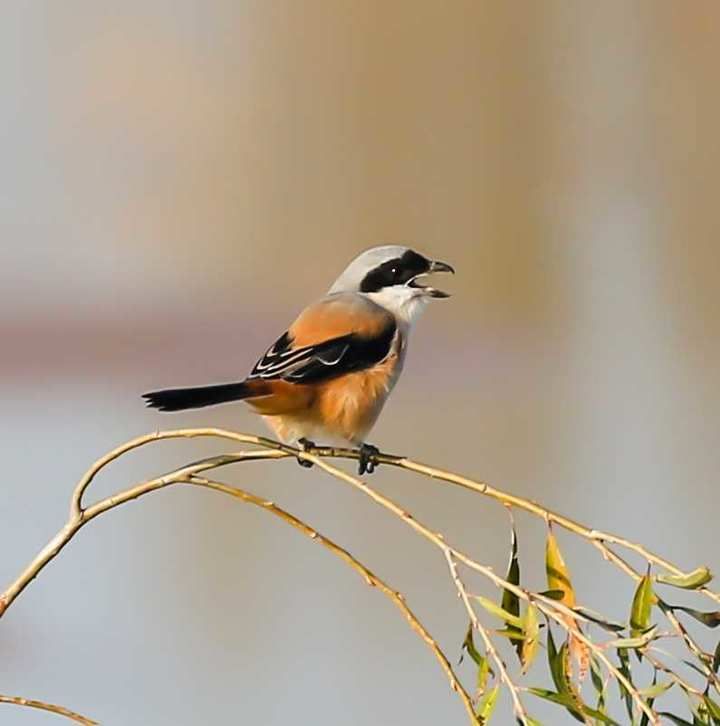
(592,535)
(597,537)
(372,579)
(553,609)
(79,519)
(268,449)
(189,475)
(51,707)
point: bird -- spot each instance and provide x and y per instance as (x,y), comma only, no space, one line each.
(330,373)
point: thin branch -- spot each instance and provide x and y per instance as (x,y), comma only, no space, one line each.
(518,707)
(51,707)
(704,659)
(553,609)
(188,474)
(660,666)
(581,530)
(79,519)
(564,616)
(372,579)
(592,535)
(678,627)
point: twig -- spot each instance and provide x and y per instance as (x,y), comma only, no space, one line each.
(553,609)
(592,535)
(660,666)
(677,626)
(51,707)
(518,707)
(704,659)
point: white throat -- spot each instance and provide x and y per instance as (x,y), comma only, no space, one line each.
(405,303)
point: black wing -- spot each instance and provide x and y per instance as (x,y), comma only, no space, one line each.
(323,361)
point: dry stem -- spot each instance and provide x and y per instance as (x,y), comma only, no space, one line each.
(42,706)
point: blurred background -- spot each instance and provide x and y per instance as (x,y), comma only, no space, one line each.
(179,178)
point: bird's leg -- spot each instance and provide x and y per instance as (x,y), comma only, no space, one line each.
(305,445)
(367,460)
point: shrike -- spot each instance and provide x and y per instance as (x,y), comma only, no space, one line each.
(331,372)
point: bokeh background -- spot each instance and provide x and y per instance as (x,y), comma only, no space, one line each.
(179,178)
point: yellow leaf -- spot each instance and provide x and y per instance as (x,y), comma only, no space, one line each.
(558,578)
(558,575)
(531,640)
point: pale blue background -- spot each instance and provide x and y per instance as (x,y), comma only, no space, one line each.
(177,179)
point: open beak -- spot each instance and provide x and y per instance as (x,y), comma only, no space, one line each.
(435,266)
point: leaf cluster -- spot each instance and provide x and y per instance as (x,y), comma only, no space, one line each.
(524,619)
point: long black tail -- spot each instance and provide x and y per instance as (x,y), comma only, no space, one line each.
(178,399)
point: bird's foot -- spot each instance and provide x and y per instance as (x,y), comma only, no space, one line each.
(305,445)
(367,461)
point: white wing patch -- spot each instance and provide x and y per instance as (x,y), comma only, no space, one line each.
(322,361)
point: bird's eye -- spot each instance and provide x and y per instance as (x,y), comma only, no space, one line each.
(394,271)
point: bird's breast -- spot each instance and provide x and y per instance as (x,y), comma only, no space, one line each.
(348,406)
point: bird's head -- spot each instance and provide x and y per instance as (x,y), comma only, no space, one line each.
(393,276)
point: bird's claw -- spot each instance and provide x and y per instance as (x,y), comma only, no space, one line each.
(305,445)
(367,460)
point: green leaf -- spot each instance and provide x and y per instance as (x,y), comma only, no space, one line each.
(469,646)
(499,612)
(713,708)
(716,658)
(599,619)
(675,719)
(484,670)
(642,607)
(638,642)
(645,720)
(487,705)
(691,581)
(557,660)
(598,683)
(558,575)
(625,670)
(510,601)
(710,619)
(563,699)
(657,689)
(517,636)
(554,662)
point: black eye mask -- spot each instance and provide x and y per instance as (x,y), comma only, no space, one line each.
(397,271)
